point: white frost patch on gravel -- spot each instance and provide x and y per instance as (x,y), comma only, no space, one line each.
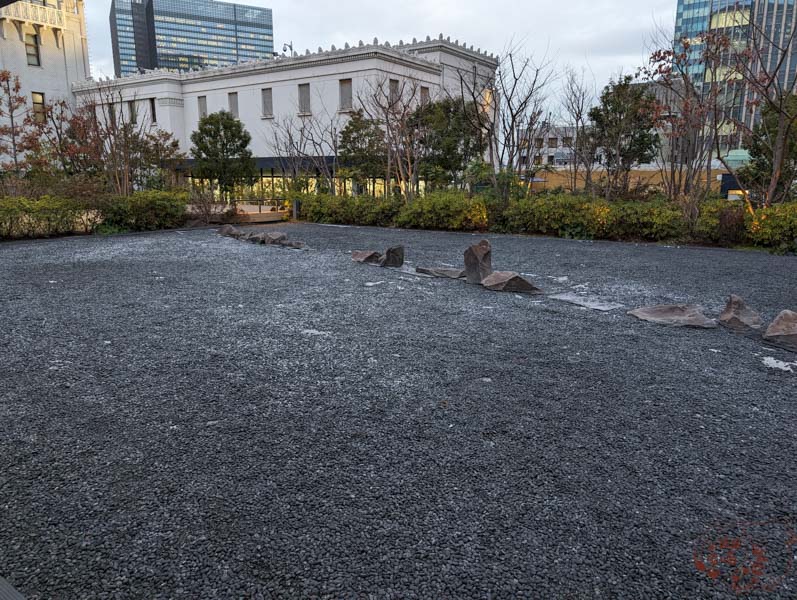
(774,363)
(315,332)
(564,279)
(373,283)
(588,302)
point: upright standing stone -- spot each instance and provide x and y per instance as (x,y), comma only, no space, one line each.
(783,331)
(737,315)
(478,262)
(394,257)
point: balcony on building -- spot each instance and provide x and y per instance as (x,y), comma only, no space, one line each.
(40,13)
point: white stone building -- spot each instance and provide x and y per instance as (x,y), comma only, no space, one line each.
(43,42)
(325,85)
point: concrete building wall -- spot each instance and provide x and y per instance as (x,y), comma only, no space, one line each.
(436,66)
(63,48)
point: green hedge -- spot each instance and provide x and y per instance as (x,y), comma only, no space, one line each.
(440,210)
(774,227)
(42,217)
(583,218)
(145,211)
(50,216)
(350,210)
(719,222)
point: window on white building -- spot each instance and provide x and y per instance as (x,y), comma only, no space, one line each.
(394,91)
(305,107)
(39,111)
(346,95)
(202,105)
(153,112)
(232,103)
(267,102)
(425,98)
(131,110)
(32,49)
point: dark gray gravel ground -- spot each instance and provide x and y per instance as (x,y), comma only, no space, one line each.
(189,416)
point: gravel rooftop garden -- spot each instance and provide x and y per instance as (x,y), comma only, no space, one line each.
(184,415)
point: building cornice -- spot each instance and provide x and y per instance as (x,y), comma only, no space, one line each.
(402,55)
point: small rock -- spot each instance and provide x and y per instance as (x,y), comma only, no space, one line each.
(257,238)
(294,245)
(737,315)
(275,237)
(509,281)
(783,331)
(441,272)
(366,256)
(478,262)
(676,315)
(230,231)
(394,257)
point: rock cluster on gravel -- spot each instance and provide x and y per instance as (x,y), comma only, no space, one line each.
(263,237)
(478,262)
(675,315)
(783,331)
(479,270)
(738,316)
(392,258)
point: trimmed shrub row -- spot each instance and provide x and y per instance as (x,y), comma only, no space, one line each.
(450,211)
(719,222)
(50,216)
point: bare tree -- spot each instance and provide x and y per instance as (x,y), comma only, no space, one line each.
(13,108)
(512,111)
(577,98)
(751,76)
(394,104)
(128,146)
(687,101)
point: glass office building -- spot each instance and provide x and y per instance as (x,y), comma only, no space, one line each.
(186,34)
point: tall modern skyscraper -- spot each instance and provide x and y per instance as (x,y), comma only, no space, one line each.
(183,34)
(773,22)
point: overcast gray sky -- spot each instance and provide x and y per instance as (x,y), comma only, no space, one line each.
(604,36)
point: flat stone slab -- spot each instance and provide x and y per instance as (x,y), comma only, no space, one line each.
(366,257)
(7,591)
(509,281)
(588,302)
(675,315)
(783,331)
(442,273)
(478,262)
(737,315)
